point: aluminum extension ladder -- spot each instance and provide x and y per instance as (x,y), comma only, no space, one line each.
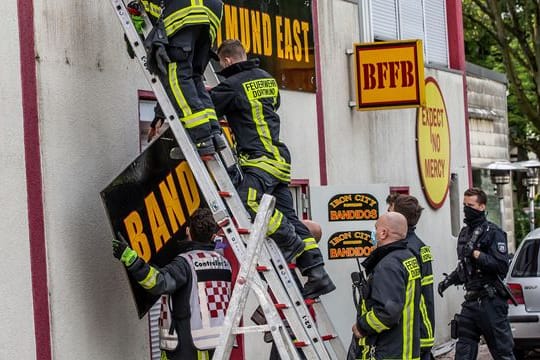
(236,225)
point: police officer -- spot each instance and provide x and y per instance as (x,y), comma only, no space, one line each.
(408,206)
(483,262)
(198,269)
(178,51)
(249,98)
(387,326)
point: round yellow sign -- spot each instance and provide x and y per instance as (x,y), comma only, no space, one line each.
(433,145)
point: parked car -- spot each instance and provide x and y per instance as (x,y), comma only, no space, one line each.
(523,279)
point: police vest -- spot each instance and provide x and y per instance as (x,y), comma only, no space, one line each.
(210,295)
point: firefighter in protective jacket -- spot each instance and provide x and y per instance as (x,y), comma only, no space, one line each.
(408,206)
(249,98)
(198,269)
(178,51)
(388,325)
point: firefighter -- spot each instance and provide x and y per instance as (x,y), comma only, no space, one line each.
(408,206)
(388,325)
(179,50)
(198,269)
(483,262)
(249,98)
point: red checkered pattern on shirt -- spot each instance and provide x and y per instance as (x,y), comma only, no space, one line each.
(217,293)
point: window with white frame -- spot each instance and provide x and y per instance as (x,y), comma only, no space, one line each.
(413,19)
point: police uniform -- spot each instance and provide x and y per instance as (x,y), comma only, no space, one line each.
(198,269)
(485,309)
(388,312)
(191,27)
(422,252)
(249,97)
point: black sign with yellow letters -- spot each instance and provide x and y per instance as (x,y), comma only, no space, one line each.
(349,244)
(353,207)
(279,33)
(150,203)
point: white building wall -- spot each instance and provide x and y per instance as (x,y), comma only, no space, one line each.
(16,314)
(89,133)
(379,146)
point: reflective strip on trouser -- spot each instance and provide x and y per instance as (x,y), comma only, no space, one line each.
(150,280)
(203,355)
(277,216)
(183,93)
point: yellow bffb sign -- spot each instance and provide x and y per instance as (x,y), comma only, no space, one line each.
(389,75)
(433,145)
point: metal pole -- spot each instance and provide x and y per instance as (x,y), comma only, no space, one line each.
(501,205)
(532,191)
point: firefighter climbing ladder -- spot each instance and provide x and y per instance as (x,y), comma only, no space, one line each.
(270,262)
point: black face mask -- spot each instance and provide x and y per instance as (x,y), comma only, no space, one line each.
(472,215)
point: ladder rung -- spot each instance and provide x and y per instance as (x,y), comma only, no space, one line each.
(281,306)
(292,266)
(223,223)
(243,231)
(261,268)
(328,337)
(299,344)
(224,194)
(310,301)
(207,157)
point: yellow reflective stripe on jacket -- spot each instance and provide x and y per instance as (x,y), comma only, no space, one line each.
(192,15)
(427,343)
(255,90)
(427,280)
(195,119)
(425,254)
(150,280)
(177,91)
(374,322)
(280,171)
(412,267)
(426,321)
(152,9)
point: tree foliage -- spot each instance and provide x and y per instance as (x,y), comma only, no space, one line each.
(504,35)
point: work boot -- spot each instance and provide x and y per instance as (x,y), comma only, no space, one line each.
(319,283)
(219,141)
(205,147)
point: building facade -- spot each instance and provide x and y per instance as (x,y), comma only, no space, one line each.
(71,123)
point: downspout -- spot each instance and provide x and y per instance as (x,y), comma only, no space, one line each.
(34,183)
(456,52)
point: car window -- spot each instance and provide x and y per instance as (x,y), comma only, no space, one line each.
(527,262)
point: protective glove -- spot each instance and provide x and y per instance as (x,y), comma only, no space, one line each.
(443,285)
(122,251)
(135,12)
(155,45)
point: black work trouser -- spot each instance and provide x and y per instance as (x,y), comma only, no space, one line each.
(289,233)
(189,51)
(488,317)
